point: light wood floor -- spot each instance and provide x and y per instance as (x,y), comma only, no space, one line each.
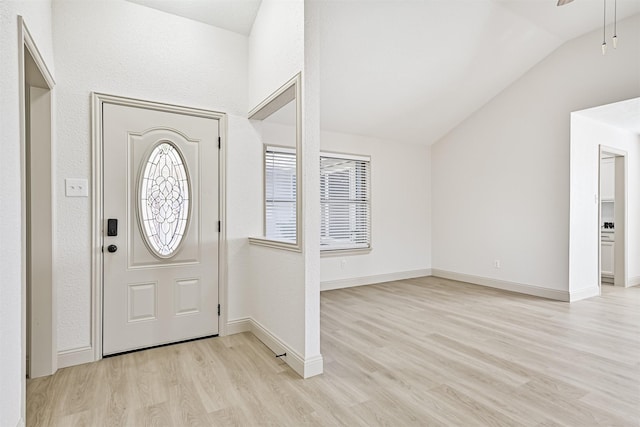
(423,351)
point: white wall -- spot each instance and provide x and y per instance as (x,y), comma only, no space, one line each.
(500,180)
(277,285)
(286,285)
(125,49)
(400,212)
(37,15)
(586,136)
(311,185)
(276,47)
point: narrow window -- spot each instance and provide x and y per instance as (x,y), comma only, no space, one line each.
(345,205)
(280,194)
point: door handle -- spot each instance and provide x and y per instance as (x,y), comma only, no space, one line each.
(112,248)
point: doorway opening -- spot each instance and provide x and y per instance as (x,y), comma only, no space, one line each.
(612,219)
(36,85)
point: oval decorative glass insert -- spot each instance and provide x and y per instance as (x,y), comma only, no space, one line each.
(164,200)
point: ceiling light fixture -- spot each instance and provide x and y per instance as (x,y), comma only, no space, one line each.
(614,39)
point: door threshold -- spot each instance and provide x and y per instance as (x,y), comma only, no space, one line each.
(104,356)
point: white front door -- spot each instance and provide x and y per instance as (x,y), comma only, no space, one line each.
(160,227)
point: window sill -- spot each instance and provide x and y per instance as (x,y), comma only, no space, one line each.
(276,244)
(343,252)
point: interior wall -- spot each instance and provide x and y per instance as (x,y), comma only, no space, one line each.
(37,15)
(277,277)
(500,179)
(125,49)
(400,212)
(276,47)
(314,364)
(586,137)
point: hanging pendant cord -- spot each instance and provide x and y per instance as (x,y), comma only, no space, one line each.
(604,28)
(615,18)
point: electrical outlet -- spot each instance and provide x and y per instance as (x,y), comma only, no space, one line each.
(496,263)
(76,187)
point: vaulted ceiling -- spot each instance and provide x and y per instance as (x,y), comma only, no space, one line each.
(232,15)
(411,70)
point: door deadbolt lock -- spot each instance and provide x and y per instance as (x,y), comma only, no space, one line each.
(112,248)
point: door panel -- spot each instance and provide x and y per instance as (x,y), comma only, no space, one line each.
(161,183)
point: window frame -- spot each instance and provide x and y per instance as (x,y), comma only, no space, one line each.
(283,149)
(292,90)
(328,252)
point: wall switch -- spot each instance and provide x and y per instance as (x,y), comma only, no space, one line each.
(496,263)
(76,187)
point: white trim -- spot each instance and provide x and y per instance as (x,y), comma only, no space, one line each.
(278,99)
(328,285)
(278,346)
(75,356)
(20,422)
(328,253)
(634,281)
(26,41)
(313,366)
(291,90)
(306,368)
(345,156)
(504,285)
(238,326)
(584,293)
(268,243)
(97,100)
(621,233)
(279,149)
(223,255)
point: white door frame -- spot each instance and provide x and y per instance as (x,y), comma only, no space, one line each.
(33,71)
(620,253)
(97,175)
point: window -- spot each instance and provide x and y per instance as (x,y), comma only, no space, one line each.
(345,207)
(164,200)
(280,193)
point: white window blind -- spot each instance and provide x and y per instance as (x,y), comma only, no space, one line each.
(345,206)
(280,194)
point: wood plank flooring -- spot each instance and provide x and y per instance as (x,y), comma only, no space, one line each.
(427,352)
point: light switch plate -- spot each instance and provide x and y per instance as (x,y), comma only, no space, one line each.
(76,187)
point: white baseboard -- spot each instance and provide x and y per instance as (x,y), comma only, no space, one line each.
(237,326)
(276,345)
(370,280)
(313,366)
(306,368)
(76,356)
(20,423)
(504,285)
(634,281)
(584,293)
